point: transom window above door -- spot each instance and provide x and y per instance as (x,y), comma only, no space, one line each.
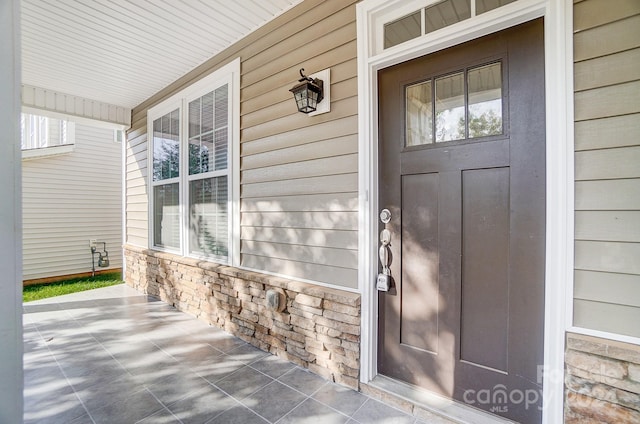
(458,106)
(435,16)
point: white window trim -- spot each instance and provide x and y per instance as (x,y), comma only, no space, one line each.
(45,152)
(371,15)
(229,74)
(604,335)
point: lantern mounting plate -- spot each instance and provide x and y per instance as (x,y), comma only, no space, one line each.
(325,105)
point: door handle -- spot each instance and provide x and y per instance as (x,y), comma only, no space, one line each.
(383,281)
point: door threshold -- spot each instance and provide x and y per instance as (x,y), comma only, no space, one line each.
(454,411)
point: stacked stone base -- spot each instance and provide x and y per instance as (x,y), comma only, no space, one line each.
(602,381)
(319,328)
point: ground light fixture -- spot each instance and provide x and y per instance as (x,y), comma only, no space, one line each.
(308,93)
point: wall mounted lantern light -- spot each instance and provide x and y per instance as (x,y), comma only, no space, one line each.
(309,92)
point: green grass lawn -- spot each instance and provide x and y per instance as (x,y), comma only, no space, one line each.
(42,291)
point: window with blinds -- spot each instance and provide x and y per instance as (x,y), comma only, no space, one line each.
(190,176)
(208,183)
(165,146)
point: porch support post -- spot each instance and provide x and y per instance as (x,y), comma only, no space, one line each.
(10,217)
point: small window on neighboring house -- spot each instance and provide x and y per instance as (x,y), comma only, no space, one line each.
(44,136)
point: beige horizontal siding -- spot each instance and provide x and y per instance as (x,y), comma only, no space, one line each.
(136,163)
(604,133)
(298,173)
(338,239)
(596,72)
(308,220)
(301,186)
(607,317)
(593,13)
(607,39)
(609,256)
(620,289)
(332,202)
(297,121)
(329,256)
(608,195)
(608,226)
(70,199)
(341,164)
(319,131)
(336,146)
(310,271)
(607,165)
(603,102)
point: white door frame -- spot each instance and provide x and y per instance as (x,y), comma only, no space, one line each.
(558,33)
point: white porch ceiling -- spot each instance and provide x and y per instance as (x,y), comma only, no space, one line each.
(121,52)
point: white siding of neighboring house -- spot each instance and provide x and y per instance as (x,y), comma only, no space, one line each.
(69,199)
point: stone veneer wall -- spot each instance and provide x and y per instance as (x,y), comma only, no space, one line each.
(602,381)
(319,328)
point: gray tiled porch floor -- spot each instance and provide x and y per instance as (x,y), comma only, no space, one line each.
(115,356)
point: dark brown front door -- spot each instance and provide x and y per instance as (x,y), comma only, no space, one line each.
(462,170)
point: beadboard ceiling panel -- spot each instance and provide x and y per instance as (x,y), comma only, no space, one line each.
(121,52)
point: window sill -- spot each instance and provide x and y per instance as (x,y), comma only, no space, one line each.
(47,151)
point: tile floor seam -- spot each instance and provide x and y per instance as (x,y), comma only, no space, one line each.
(235,406)
(266,385)
(273,380)
(288,413)
(249,344)
(293,388)
(359,408)
(390,405)
(163,406)
(153,342)
(222,412)
(143,387)
(239,400)
(128,373)
(112,356)
(199,373)
(331,407)
(65,377)
(311,396)
(248,366)
(321,403)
